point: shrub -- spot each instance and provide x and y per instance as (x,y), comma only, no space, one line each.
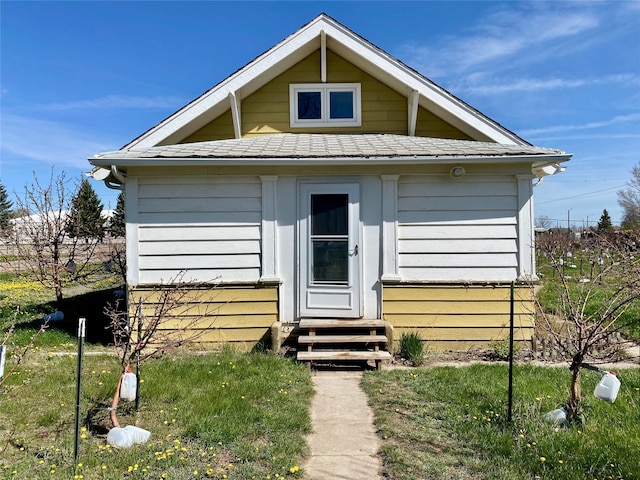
(412,348)
(500,348)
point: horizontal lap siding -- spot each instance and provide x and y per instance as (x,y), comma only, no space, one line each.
(454,318)
(240,316)
(457,229)
(207,229)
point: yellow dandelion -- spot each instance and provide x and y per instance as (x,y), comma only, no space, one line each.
(543,459)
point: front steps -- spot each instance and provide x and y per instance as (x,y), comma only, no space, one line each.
(335,340)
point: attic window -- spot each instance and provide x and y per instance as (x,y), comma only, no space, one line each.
(325,105)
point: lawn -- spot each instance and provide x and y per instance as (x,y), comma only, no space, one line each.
(224,415)
(450,422)
(244,416)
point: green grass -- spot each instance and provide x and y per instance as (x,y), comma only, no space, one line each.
(24,302)
(412,348)
(226,415)
(450,422)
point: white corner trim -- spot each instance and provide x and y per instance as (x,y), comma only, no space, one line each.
(323,56)
(269,237)
(235,114)
(390,271)
(526,250)
(131,229)
(412,104)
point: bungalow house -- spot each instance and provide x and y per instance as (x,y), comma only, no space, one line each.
(327,184)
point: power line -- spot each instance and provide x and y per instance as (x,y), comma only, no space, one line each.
(581,195)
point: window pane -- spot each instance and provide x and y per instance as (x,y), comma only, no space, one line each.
(309,106)
(330,261)
(329,214)
(341,105)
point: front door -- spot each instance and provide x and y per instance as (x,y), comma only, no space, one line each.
(329,251)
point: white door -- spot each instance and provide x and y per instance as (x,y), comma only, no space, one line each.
(329,251)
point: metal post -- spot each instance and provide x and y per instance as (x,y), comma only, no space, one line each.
(138,357)
(511,321)
(81,331)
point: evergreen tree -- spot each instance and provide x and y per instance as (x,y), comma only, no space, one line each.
(117,225)
(5,210)
(85,218)
(605,221)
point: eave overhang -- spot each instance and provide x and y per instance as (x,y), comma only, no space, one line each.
(108,162)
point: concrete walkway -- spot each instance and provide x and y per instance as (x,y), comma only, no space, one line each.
(344,443)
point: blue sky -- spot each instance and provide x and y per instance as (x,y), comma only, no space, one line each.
(80,78)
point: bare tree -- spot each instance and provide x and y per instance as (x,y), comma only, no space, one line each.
(592,309)
(41,236)
(162,319)
(544,222)
(629,200)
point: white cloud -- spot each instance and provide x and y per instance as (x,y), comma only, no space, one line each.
(483,84)
(116,101)
(56,143)
(632,117)
(499,37)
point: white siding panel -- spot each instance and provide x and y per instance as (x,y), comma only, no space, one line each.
(458,229)
(200,190)
(187,205)
(203,247)
(459,274)
(210,218)
(191,262)
(424,246)
(205,228)
(468,260)
(464,217)
(420,186)
(193,232)
(458,203)
(201,275)
(448,232)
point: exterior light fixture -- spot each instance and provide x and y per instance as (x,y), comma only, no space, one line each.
(457,171)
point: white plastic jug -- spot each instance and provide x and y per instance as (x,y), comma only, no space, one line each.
(138,435)
(128,387)
(119,437)
(559,415)
(607,388)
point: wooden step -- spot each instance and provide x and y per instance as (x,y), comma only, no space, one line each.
(342,339)
(339,323)
(343,355)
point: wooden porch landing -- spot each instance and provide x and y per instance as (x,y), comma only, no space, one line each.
(328,339)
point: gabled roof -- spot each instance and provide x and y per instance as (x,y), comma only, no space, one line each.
(309,149)
(346,43)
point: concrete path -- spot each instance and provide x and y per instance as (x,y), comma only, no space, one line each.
(344,443)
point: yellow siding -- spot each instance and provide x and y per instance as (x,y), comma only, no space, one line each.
(430,125)
(219,129)
(266,111)
(457,317)
(241,316)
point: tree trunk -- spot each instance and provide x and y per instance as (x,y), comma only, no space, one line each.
(573,409)
(114,403)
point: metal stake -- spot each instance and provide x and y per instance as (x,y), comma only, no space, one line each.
(511,354)
(81,331)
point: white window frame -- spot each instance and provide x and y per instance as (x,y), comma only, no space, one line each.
(325,89)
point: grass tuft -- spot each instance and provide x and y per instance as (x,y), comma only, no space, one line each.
(412,348)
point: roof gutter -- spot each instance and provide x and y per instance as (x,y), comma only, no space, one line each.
(112,177)
(539,171)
